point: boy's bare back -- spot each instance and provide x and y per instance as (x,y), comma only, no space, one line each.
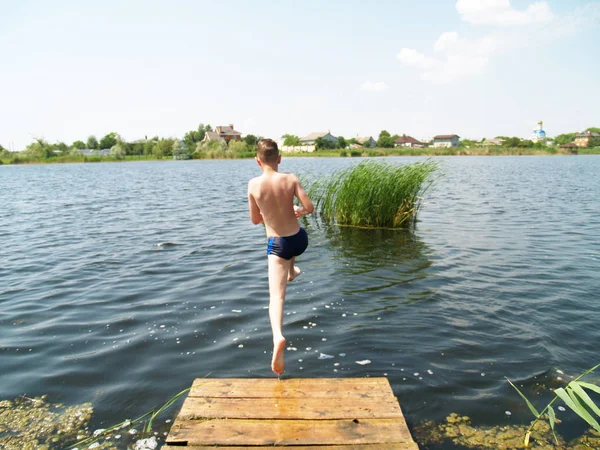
(273,195)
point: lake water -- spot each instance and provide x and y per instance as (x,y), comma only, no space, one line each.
(121,283)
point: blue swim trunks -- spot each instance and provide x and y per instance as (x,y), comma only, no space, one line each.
(287,247)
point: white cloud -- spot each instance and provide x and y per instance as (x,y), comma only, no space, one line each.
(500,12)
(456,57)
(413,58)
(378,86)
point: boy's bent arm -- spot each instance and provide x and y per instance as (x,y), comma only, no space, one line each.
(255,215)
(302,196)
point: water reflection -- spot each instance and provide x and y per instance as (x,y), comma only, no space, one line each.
(390,263)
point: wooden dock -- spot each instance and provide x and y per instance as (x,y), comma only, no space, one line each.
(315,413)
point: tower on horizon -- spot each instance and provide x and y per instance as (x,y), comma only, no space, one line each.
(539,135)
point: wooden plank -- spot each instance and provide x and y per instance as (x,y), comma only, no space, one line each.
(289,408)
(394,446)
(288,432)
(292,388)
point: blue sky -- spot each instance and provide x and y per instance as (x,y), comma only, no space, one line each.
(477,68)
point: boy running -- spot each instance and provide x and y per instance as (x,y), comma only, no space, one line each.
(271,201)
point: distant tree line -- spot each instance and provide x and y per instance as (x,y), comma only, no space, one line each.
(193,145)
(190,146)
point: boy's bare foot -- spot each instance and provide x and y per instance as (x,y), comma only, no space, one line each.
(296,271)
(277,364)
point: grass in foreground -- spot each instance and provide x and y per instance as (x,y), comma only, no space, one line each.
(574,395)
(372,194)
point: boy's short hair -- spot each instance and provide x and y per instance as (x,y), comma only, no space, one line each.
(267,150)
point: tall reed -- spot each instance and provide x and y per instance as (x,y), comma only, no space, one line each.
(372,194)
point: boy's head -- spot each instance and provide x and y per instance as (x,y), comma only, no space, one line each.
(267,151)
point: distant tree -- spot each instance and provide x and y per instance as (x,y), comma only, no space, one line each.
(526,143)
(467,143)
(61,146)
(322,144)
(290,140)
(539,144)
(191,138)
(566,138)
(251,140)
(162,148)
(593,129)
(395,136)
(78,145)
(595,141)
(351,141)
(109,141)
(238,146)
(208,127)
(117,151)
(385,140)
(39,149)
(511,142)
(92,143)
(341,143)
(149,145)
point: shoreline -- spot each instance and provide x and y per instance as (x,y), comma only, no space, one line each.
(375,152)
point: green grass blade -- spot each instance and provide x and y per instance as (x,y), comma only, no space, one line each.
(590,386)
(531,407)
(552,420)
(573,403)
(584,396)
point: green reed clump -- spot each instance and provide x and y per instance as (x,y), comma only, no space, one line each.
(372,194)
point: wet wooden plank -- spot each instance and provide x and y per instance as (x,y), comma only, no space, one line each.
(289,408)
(292,388)
(223,432)
(394,446)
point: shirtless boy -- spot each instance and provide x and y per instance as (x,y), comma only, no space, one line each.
(271,201)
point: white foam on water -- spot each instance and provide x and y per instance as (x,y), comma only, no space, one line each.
(508,413)
(364,362)
(308,349)
(416,374)
(560,371)
(429,371)
(325,356)
(342,354)
(561,408)
(483,374)
(236,310)
(241,346)
(336,364)
(323,339)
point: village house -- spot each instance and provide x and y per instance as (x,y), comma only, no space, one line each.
(408,141)
(312,137)
(223,133)
(366,139)
(446,140)
(583,139)
(494,142)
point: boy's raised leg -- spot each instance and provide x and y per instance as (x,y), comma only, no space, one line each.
(279,269)
(294,270)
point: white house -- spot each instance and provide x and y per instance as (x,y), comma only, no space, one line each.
(446,140)
(312,137)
